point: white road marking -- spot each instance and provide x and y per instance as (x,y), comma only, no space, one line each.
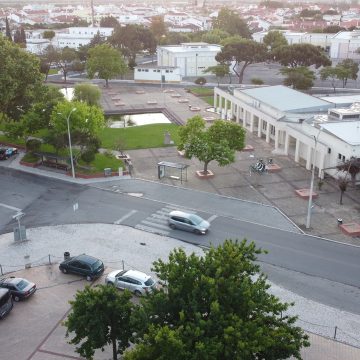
(132,212)
(212,218)
(10,207)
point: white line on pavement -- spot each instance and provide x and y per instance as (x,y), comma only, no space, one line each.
(132,212)
(212,218)
(10,207)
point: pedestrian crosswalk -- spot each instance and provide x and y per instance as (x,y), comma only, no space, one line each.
(157,222)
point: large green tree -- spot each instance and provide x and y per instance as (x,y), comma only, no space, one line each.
(350,68)
(217,142)
(105,61)
(301,55)
(242,53)
(220,71)
(300,78)
(64,58)
(100,316)
(215,307)
(274,39)
(20,79)
(158,27)
(214,36)
(88,93)
(229,21)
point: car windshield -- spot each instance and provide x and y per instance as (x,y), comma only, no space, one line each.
(22,284)
(149,282)
(195,219)
(97,264)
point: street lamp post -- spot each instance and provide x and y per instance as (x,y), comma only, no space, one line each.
(70,148)
(308,218)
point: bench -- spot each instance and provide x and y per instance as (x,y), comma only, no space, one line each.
(55,165)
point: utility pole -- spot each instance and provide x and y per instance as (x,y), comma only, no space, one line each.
(92,13)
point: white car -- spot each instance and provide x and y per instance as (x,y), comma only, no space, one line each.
(188,222)
(137,282)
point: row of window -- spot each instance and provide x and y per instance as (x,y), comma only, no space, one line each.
(147,70)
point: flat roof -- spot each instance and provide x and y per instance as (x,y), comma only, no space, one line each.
(348,131)
(346,99)
(188,48)
(285,99)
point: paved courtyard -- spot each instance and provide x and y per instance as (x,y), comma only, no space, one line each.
(277,189)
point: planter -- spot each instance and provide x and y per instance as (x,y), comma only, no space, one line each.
(202,175)
(33,165)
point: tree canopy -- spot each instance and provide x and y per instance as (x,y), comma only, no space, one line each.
(20,79)
(300,78)
(220,71)
(64,58)
(105,61)
(100,316)
(215,307)
(229,21)
(274,39)
(217,142)
(88,93)
(241,52)
(301,55)
(109,21)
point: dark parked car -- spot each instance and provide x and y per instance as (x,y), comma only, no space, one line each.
(3,154)
(83,264)
(19,288)
(6,302)
(11,151)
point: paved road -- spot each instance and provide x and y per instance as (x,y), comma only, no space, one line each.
(297,257)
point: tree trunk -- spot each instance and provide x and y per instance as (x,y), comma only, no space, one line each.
(114,348)
(206,167)
(107,83)
(341,197)
(65,73)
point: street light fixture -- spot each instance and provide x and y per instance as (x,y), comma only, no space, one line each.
(68,127)
(308,218)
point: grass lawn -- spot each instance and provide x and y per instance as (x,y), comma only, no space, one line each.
(209,100)
(138,137)
(202,91)
(101,162)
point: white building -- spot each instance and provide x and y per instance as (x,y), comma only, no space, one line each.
(290,120)
(78,36)
(157,74)
(345,44)
(191,58)
(37,46)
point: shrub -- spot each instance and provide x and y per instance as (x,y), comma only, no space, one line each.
(257,81)
(200,81)
(33,145)
(88,156)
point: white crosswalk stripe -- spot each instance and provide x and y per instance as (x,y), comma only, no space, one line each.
(158,221)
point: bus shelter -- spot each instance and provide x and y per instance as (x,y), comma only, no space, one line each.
(172,170)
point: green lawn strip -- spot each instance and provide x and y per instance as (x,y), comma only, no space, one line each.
(138,137)
(202,91)
(6,139)
(101,162)
(209,100)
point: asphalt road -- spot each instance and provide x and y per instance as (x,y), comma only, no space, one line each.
(315,268)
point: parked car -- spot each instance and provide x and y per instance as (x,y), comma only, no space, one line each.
(188,222)
(137,282)
(10,151)
(86,265)
(3,154)
(6,302)
(19,288)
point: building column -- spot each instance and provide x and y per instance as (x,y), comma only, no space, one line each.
(226,109)
(297,151)
(276,138)
(259,127)
(238,113)
(321,165)
(308,158)
(215,100)
(287,141)
(267,132)
(252,123)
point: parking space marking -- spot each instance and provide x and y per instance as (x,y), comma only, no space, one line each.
(132,212)
(212,218)
(10,207)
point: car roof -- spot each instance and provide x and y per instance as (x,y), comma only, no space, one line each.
(11,280)
(179,213)
(86,258)
(138,275)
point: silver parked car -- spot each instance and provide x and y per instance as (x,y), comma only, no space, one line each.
(137,282)
(188,222)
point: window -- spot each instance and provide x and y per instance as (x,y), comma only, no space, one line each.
(139,70)
(158,70)
(154,70)
(166,71)
(339,156)
(329,151)
(146,70)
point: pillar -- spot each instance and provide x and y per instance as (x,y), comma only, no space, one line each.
(226,108)
(321,164)
(297,151)
(308,158)
(215,100)
(259,126)
(276,138)
(267,132)
(238,113)
(287,140)
(252,123)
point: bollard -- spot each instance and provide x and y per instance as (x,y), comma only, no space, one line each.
(339,222)
(1,270)
(123,264)
(335,332)
(49,259)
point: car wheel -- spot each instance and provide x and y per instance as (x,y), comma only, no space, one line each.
(64,271)
(88,278)
(173,226)
(110,283)
(16,298)
(137,293)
